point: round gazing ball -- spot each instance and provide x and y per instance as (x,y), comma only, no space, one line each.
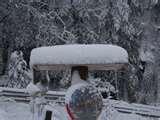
(83,102)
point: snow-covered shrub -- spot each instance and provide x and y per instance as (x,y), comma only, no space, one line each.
(107,89)
(66,79)
(19,75)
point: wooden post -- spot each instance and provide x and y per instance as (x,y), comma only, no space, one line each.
(48,115)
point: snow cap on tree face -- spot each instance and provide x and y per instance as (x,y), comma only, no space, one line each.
(94,56)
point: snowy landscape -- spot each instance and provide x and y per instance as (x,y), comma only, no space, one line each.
(79,60)
(11,110)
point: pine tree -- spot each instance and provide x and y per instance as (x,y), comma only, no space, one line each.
(18,72)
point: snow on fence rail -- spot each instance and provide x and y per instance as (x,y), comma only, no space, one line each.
(21,95)
(139,109)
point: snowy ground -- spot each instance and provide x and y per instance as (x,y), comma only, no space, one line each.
(14,111)
(10,110)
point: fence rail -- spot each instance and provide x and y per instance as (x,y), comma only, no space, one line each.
(21,95)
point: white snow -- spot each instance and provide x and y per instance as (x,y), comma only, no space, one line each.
(71,90)
(78,54)
(146,56)
(3,115)
(14,111)
(76,78)
(21,111)
(11,110)
(42,88)
(12,89)
(32,89)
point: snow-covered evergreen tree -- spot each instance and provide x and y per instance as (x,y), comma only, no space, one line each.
(19,76)
(106,88)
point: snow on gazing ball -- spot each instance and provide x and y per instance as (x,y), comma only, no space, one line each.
(83,102)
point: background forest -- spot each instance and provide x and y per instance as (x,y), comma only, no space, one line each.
(131,24)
